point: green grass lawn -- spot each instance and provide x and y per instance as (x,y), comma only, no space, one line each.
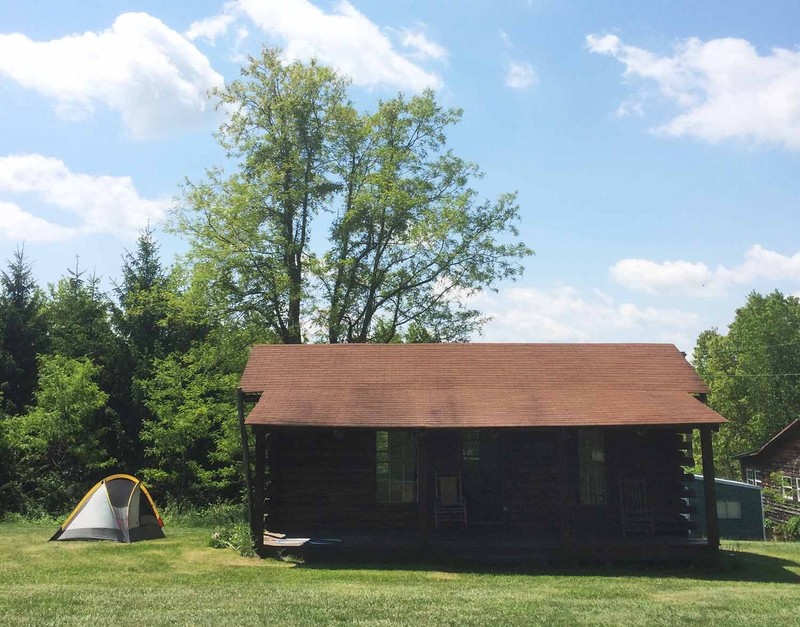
(180,580)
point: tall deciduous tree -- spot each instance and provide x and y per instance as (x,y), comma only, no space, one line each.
(753,373)
(408,234)
(251,231)
(23,333)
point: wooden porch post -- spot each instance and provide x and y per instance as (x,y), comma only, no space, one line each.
(258,488)
(563,490)
(423,493)
(709,487)
(245,459)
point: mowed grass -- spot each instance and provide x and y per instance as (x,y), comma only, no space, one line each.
(182,581)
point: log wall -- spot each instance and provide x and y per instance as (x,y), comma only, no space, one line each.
(322,481)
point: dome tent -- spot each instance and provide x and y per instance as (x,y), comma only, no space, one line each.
(117,508)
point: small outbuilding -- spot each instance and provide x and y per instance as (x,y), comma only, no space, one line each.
(776,465)
(740,509)
(540,450)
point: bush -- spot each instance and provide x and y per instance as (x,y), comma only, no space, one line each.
(215,515)
(236,537)
(792,528)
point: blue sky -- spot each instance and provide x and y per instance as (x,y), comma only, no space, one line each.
(654,146)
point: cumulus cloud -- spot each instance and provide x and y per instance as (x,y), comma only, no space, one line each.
(520,75)
(345,39)
(422,47)
(152,76)
(210,28)
(722,88)
(97,204)
(562,314)
(694,278)
(19,225)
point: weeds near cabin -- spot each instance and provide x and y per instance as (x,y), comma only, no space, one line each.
(236,537)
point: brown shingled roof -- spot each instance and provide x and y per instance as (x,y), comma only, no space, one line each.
(474,385)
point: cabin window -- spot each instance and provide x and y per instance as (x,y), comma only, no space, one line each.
(592,467)
(396,467)
(729,510)
(753,476)
(471,446)
(786,485)
(797,483)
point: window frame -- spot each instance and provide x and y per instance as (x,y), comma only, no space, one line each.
(391,489)
(592,483)
(754,477)
(787,489)
(724,510)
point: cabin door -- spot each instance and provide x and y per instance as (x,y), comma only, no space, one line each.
(482,477)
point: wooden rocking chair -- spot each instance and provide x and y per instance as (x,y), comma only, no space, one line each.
(450,506)
(636,516)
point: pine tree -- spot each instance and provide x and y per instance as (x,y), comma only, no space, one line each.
(23,333)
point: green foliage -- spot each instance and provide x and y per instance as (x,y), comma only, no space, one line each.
(793,529)
(78,318)
(23,333)
(409,236)
(250,232)
(193,441)
(157,315)
(55,460)
(753,374)
(236,537)
(220,514)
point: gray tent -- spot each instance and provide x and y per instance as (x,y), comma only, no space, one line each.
(118,508)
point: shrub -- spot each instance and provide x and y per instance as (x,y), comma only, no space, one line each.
(236,537)
(215,515)
(792,528)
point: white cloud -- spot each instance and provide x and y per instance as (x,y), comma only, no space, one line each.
(210,28)
(562,314)
(153,77)
(686,278)
(722,87)
(345,39)
(422,47)
(99,204)
(520,75)
(21,226)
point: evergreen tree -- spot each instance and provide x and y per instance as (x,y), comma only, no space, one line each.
(23,333)
(79,318)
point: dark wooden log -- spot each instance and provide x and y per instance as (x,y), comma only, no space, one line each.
(258,488)
(563,490)
(712,524)
(246,460)
(423,493)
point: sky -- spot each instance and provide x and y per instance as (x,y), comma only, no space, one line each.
(654,146)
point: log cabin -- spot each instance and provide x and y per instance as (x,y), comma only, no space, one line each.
(576,451)
(776,465)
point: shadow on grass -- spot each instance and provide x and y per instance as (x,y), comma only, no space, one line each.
(741,566)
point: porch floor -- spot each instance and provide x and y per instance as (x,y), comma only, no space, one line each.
(499,546)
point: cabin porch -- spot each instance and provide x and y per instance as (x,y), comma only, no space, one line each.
(533,494)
